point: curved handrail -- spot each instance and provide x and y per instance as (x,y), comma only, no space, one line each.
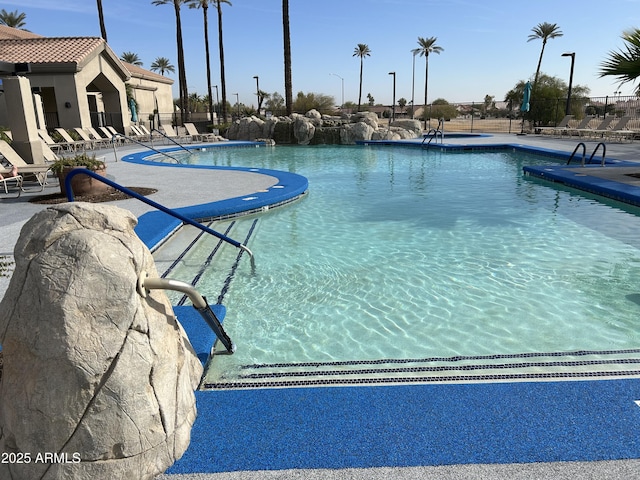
(584,152)
(172,140)
(139,143)
(162,208)
(604,152)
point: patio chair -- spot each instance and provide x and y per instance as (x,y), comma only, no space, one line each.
(69,140)
(619,130)
(138,134)
(196,136)
(53,145)
(111,135)
(5,180)
(581,126)
(171,133)
(599,130)
(86,138)
(562,125)
(39,171)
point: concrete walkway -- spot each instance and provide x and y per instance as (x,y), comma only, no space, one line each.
(182,187)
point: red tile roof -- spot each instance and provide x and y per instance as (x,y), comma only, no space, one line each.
(8,33)
(49,50)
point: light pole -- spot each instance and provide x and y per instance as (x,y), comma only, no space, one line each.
(573,59)
(342,79)
(237,102)
(393,105)
(257,92)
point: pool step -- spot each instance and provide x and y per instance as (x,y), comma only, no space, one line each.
(581,365)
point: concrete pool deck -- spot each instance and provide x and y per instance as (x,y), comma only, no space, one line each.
(519,430)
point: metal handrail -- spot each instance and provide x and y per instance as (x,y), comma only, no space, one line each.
(435,131)
(584,152)
(145,283)
(604,152)
(171,140)
(139,143)
(162,208)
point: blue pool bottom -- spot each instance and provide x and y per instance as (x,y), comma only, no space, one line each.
(405,425)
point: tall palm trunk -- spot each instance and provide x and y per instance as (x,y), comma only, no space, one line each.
(426,87)
(182,74)
(288,87)
(223,82)
(103,29)
(205,8)
(360,89)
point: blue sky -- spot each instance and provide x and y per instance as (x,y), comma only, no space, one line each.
(485,42)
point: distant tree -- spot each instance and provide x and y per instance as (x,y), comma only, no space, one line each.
(402,103)
(361,51)
(162,64)
(13,19)
(552,93)
(426,46)
(543,31)
(489,104)
(625,63)
(103,28)
(440,108)
(318,101)
(274,103)
(370,99)
(131,58)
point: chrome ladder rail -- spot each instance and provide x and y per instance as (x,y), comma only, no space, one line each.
(145,284)
(604,153)
(584,152)
(439,130)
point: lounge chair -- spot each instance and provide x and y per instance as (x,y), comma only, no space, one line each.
(619,130)
(171,133)
(96,136)
(86,138)
(599,130)
(113,137)
(138,134)
(70,141)
(39,171)
(6,179)
(196,136)
(55,146)
(584,124)
(562,125)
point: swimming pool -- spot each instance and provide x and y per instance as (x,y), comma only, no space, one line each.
(403,263)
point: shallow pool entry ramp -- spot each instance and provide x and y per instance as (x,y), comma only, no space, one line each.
(542,366)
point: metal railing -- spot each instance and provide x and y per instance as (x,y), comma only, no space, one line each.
(162,208)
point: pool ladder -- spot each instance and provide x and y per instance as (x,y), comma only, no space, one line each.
(146,284)
(435,133)
(584,153)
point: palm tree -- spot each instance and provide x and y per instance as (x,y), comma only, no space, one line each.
(288,85)
(625,64)
(182,73)
(103,29)
(131,58)
(204,4)
(543,31)
(426,46)
(362,50)
(162,64)
(12,19)
(223,82)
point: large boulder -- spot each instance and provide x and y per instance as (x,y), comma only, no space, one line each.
(354,132)
(370,118)
(303,129)
(93,372)
(412,126)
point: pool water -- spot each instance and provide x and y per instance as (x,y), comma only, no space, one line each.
(399,254)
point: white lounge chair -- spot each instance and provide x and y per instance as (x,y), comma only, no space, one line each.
(5,180)
(75,144)
(196,136)
(552,130)
(569,130)
(619,130)
(39,171)
(599,130)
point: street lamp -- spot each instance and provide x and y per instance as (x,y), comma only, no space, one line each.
(413,85)
(573,59)
(393,105)
(257,92)
(342,104)
(237,102)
